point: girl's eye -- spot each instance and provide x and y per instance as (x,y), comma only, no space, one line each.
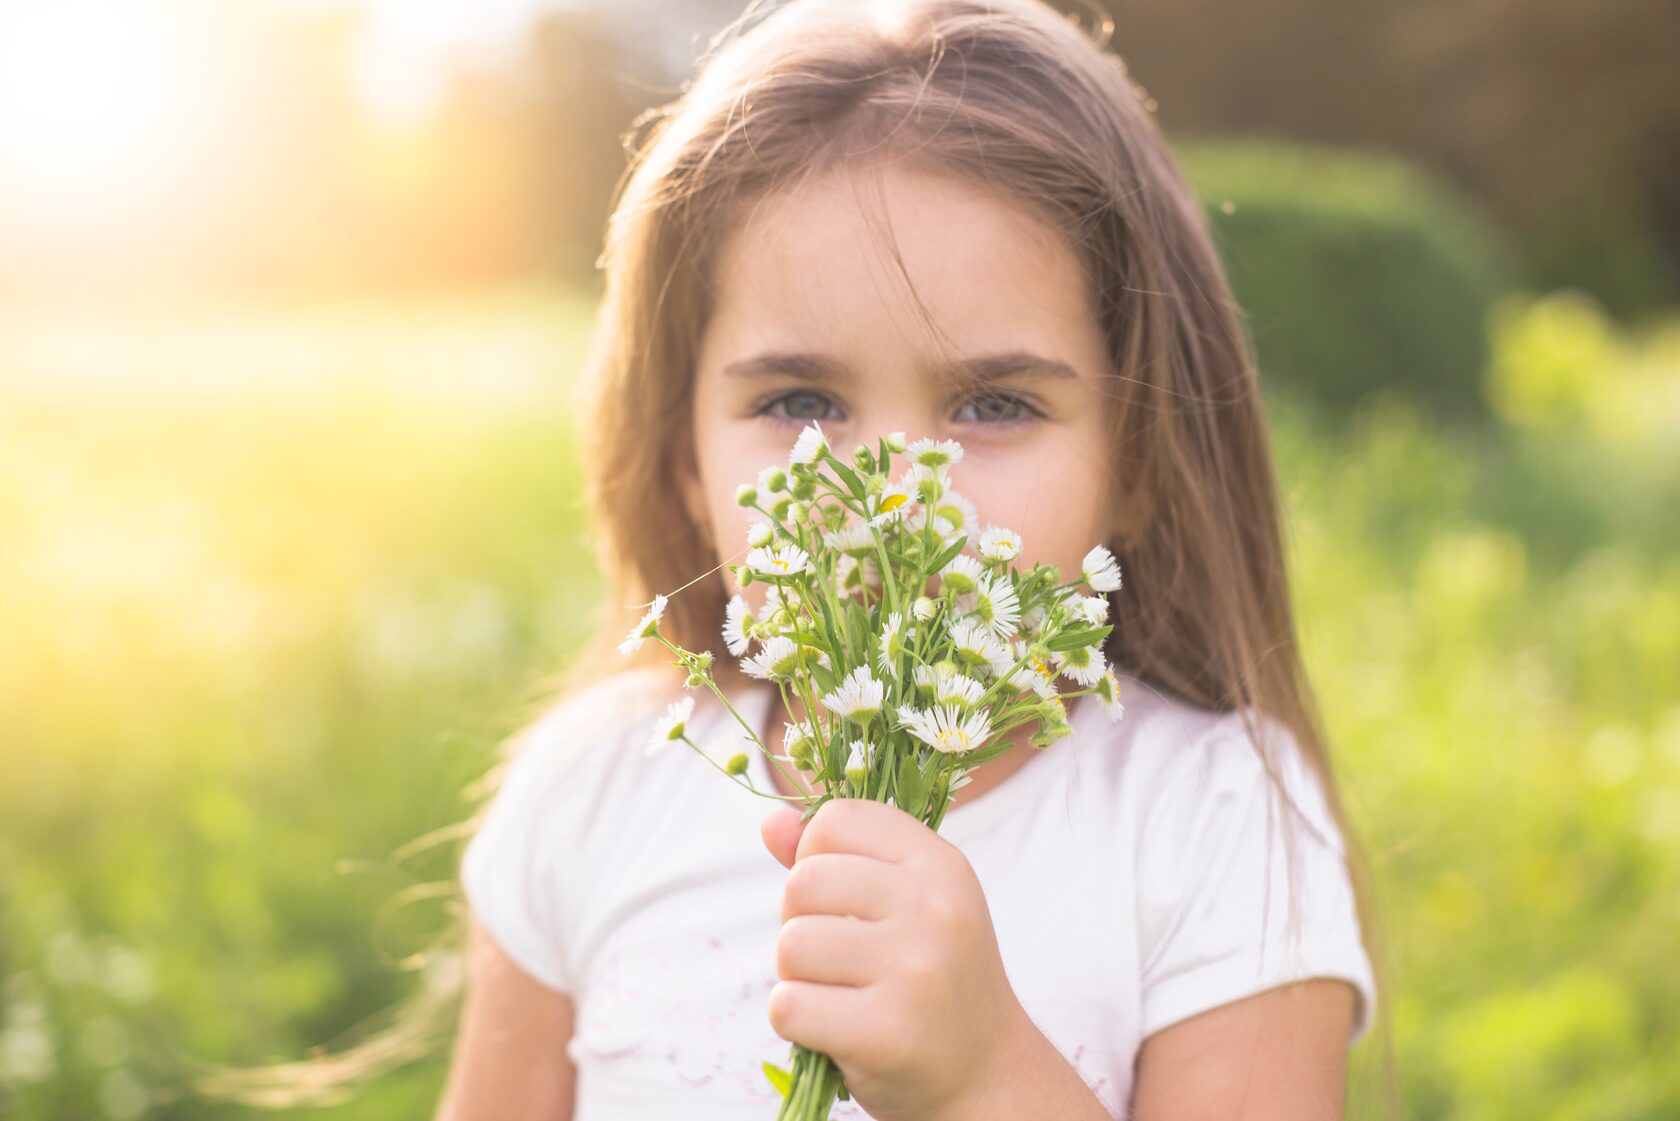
(997,408)
(800,405)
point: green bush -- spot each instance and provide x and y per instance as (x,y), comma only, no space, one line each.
(1356,271)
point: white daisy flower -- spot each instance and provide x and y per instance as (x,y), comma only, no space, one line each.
(796,737)
(737,621)
(759,534)
(955,514)
(1030,678)
(999,544)
(672,725)
(947,728)
(890,505)
(997,605)
(782,603)
(949,686)
(858,697)
(775,661)
(857,763)
(934,453)
(810,445)
(854,540)
(1101,570)
(729,750)
(975,641)
(1084,664)
(928,484)
(1093,609)
(892,645)
(1108,691)
(784,561)
(961,574)
(644,629)
(1035,674)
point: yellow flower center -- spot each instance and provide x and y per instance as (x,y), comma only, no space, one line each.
(893,502)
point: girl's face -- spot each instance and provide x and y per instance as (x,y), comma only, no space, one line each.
(812,322)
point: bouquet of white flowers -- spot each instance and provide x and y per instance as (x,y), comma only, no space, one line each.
(909,655)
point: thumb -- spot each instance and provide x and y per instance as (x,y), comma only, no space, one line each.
(781,830)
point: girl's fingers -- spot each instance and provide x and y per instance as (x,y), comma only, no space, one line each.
(829,950)
(839,883)
(827,1018)
(865,827)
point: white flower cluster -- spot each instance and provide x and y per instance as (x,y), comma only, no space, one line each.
(896,621)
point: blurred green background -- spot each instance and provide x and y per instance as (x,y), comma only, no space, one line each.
(292,297)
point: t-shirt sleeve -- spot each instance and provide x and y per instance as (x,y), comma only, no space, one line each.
(522,872)
(1215,879)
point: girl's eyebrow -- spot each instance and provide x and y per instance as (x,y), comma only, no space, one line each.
(982,369)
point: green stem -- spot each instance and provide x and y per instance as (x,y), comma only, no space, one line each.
(739,719)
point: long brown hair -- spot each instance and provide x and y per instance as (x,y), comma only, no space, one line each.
(1014,97)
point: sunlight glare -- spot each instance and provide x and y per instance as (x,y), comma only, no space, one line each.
(96,102)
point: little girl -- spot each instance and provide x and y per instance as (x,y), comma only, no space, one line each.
(1153,918)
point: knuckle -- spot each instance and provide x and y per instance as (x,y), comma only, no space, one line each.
(801,880)
(941,912)
(779,1007)
(791,942)
(917,967)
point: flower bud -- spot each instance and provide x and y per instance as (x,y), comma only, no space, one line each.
(775,480)
(857,764)
(896,442)
(737,763)
(924,608)
(800,753)
(746,495)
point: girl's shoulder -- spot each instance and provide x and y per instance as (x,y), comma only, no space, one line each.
(1175,754)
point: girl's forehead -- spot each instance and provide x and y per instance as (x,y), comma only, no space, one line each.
(851,254)
(938,223)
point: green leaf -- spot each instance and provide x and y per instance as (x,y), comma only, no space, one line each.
(814,807)
(779,1078)
(848,476)
(821,676)
(857,628)
(1082,636)
(911,791)
(944,558)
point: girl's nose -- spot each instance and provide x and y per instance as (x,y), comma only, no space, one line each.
(892,417)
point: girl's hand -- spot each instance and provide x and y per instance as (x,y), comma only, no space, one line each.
(889,963)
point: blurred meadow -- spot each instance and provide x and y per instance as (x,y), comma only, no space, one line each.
(293,295)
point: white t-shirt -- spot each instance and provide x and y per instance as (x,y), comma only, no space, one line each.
(1126,867)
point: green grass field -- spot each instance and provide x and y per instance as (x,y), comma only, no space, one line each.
(272,586)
